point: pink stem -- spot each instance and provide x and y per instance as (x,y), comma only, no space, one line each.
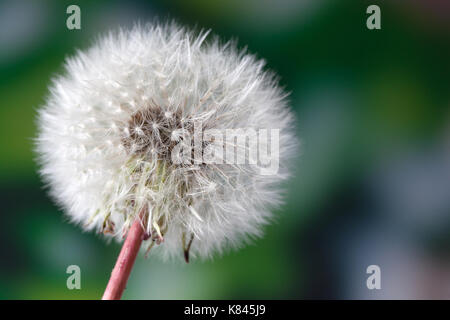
(125,261)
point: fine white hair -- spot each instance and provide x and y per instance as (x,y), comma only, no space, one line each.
(113,117)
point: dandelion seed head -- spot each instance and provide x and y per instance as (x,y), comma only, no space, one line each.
(113,120)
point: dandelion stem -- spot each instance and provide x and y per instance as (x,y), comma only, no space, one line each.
(125,261)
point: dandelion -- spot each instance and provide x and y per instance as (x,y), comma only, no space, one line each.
(112,126)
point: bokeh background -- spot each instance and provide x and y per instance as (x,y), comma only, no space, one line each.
(373,178)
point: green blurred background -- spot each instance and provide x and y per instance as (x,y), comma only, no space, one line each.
(373,178)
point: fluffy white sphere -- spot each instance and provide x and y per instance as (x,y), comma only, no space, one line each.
(111,123)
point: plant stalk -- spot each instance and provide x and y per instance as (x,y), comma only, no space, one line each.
(130,249)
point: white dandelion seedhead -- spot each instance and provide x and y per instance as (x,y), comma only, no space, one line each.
(114,123)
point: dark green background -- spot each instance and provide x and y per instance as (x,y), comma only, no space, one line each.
(372,184)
